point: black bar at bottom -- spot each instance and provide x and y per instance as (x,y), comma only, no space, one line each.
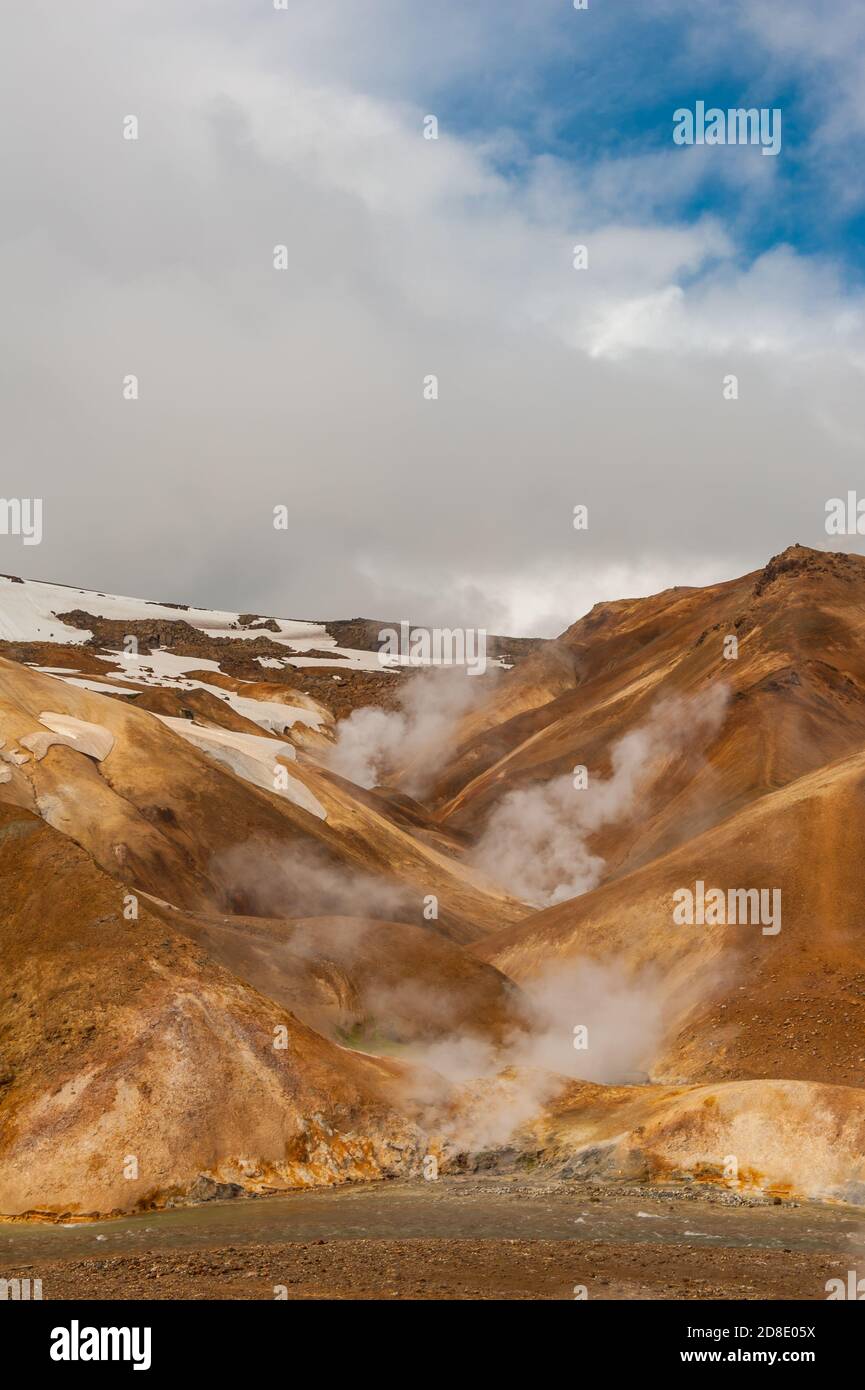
(242,1338)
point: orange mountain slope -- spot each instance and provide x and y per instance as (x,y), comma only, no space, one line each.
(431,956)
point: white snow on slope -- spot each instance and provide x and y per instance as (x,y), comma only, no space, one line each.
(159,667)
(343,658)
(27,608)
(268,714)
(165,669)
(83,683)
(249,757)
(347,658)
(92,739)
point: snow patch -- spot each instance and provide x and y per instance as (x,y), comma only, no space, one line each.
(250,756)
(100,687)
(93,739)
(27,609)
(165,669)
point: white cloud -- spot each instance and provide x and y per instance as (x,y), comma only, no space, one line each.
(406,257)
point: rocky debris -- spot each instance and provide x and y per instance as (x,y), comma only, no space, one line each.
(801,560)
(175,635)
(362,634)
(445,1268)
(250,620)
(205,1189)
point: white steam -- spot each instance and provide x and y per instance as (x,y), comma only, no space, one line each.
(374,746)
(535,843)
(273,880)
(620,1021)
(622,1017)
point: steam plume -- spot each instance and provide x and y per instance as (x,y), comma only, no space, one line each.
(535,842)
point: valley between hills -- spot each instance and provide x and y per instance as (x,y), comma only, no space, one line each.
(282,923)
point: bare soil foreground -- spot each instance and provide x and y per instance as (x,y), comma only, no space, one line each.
(454,1239)
(447,1269)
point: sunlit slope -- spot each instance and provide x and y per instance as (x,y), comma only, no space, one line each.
(781,1138)
(136,1068)
(741,1000)
(170,805)
(796,686)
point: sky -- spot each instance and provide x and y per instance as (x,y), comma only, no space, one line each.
(407,258)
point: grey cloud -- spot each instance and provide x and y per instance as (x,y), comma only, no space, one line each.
(304,387)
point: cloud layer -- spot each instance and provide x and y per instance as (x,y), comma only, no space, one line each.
(409,257)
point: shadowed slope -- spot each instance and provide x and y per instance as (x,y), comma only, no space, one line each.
(377,983)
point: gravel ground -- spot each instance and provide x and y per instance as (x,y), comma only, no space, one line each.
(442,1269)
